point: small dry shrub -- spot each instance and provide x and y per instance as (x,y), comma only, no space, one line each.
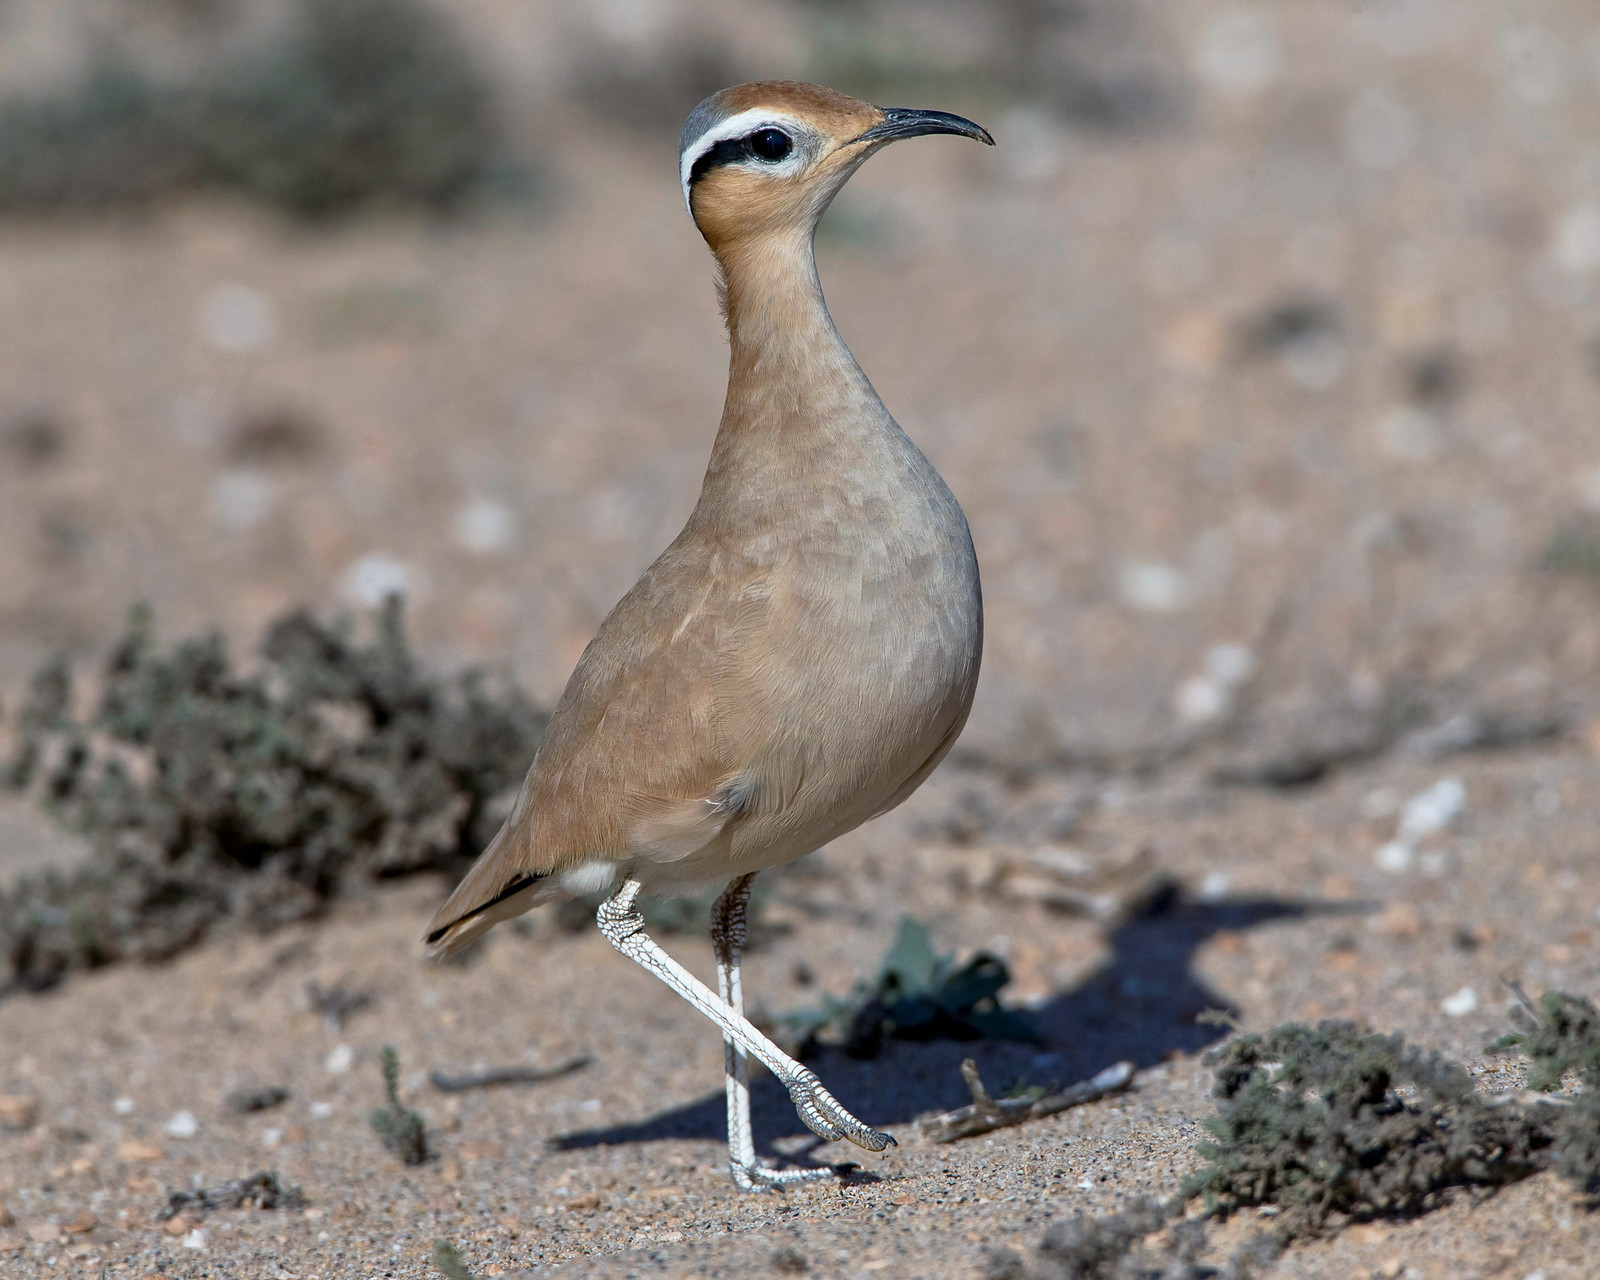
(1561,1037)
(211,794)
(1333,1124)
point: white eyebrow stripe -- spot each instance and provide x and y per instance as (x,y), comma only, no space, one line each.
(733,127)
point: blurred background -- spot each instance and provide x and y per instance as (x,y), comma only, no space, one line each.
(1264,353)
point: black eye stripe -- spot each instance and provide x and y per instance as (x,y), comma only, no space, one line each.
(733,150)
(728,151)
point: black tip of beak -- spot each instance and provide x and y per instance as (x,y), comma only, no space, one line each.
(906,122)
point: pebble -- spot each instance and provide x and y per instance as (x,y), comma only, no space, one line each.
(1393,857)
(123,1106)
(1432,810)
(372,579)
(196,1239)
(1399,920)
(234,318)
(1215,886)
(242,498)
(81,1223)
(341,1059)
(1239,52)
(1152,586)
(46,1233)
(484,525)
(1461,1003)
(183,1125)
(132,1149)
(18,1112)
(1410,434)
(1229,664)
(1200,699)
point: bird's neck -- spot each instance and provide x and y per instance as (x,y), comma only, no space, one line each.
(789,370)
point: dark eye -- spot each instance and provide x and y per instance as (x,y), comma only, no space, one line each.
(771,144)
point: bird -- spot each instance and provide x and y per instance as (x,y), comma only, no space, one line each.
(801,656)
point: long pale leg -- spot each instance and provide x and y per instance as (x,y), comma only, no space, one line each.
(727,939)
(623,926)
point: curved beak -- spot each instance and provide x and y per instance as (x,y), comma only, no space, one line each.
(907,122)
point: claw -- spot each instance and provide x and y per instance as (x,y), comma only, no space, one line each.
(759,1178)
(823,1115)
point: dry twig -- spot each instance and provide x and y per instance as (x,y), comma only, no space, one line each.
(987,1113)
(506,1075)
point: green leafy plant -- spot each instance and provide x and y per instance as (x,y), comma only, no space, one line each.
(447,1258)
(917,995)
(402,1131)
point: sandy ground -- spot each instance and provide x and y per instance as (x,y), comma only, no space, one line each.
(1273,406)
(617,1169)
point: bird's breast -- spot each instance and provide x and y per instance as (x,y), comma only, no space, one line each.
(870,600)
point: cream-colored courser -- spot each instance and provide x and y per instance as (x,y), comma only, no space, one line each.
(802,655)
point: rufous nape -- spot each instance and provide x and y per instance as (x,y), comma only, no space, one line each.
(806,650)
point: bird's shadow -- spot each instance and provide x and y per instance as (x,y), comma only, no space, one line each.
(1140,1006)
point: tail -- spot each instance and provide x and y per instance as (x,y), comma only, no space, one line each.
(488,895)
(499,886)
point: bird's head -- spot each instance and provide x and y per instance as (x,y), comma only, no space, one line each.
(765,159)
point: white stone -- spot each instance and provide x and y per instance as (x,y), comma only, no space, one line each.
(234,318)
(341,1059)
(374,578)
(1536,65)
(123,1106)
(321,1110)
(1393,857)
(1152,586)
(484,525)
(1380,130)
(1229,664)
(1239,52)
(183,1125)
(241,499)
(1200,699)
(195,1239)
(1432,810)
(270,1138)
(1462,1003)
(1214,886)
(1411,434)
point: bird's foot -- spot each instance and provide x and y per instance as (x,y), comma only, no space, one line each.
(826,1118)
(757,1177)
